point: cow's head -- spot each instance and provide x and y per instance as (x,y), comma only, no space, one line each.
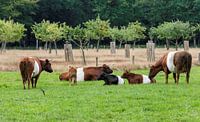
(64,76)
(46,65)
(72,72)
(106,69)
(125,74)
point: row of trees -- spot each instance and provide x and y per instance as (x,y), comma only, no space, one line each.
(97,29)
(150,13)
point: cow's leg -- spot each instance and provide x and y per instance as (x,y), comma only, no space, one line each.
(24,83)
(36,79)
(166,78)
(75,82)
(187,77)
(174,76)
(177,78)
(32,82)
(29,82)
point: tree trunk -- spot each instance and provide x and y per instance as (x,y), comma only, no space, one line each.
(55,47)
(49,47)
(2,43)
(176,44)
(4,47)
(195,42)
(45,46)
(167,44)
(98,45)
(120,45)
(133,45)
(83,53)
(37,45)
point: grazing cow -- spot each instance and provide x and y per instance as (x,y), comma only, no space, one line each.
(137,78)
(85,74)
(31,67)
(175,62)
(111,79)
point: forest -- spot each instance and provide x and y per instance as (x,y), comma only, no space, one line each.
(150,13)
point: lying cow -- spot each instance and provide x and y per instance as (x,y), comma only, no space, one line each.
(137,78)
(111,79)
(85,74)
(31,67)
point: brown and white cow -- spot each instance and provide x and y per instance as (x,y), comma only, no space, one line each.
(137,78)
(31,67)
(86,73)
(175,62)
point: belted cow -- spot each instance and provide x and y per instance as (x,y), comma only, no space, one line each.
(31,67)
(173,62)
(110,79)
(85,74)
(137,78)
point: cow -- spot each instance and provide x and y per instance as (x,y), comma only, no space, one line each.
(64,76)
(31,67)
(85,74)
(110,79)
(137,78)
(173,62)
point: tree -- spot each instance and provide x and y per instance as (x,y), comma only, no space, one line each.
(10,32)
(80,38)
(173,31)
(98,29)
(135,31)
(48,32)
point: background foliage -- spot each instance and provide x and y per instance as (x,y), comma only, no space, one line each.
(150,13)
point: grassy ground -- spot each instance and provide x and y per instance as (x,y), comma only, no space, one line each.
(91,101)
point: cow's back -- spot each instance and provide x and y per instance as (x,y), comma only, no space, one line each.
(92,73)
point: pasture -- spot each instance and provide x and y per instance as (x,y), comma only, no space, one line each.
(91,101)
(10,60)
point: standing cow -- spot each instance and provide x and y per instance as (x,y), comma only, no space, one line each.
(175,62)
(31,67)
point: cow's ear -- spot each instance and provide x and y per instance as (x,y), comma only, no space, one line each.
(46,60)
(128,70)
(104,65)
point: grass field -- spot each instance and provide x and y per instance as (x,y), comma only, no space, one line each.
(91,101)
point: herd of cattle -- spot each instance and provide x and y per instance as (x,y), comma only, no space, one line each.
(175,62)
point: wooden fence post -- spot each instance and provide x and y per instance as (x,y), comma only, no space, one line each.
(127,50)
(133,59)
(150,51)
(68,52)
(112,47)
(198,58)
(97,61)
(186,45)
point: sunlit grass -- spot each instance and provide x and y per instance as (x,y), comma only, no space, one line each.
(91,101)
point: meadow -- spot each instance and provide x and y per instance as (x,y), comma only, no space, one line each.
(91,101)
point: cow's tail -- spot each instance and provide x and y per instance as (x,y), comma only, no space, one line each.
(23,69)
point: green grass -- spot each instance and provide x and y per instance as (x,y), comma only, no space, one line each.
(91,101)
